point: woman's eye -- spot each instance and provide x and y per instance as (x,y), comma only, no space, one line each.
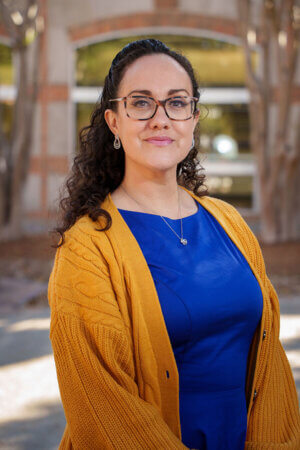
(141,103)
(178,103)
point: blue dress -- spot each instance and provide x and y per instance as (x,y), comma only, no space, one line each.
(212,304)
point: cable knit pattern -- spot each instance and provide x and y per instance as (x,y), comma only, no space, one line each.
(115,365)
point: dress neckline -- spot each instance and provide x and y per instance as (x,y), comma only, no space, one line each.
(157,215)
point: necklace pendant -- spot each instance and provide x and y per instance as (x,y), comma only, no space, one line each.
(183,241)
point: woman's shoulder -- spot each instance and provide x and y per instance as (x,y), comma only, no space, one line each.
(85,234)
(83,247)
(238,229)
(84,226)
(219,205)
(227,215)
(79,283)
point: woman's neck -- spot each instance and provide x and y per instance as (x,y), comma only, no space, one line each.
(150,197)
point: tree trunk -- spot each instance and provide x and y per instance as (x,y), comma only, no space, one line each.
(275,147)
(17,154)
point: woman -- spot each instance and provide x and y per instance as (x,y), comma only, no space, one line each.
(164,325)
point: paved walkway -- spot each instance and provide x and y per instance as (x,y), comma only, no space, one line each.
(31,416)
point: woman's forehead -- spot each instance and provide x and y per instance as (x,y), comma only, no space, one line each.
(157,74)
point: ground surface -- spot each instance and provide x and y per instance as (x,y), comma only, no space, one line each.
(31,415)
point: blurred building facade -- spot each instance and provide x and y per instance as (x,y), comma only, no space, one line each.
(66,97)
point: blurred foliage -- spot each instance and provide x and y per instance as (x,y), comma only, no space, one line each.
(6,67)
(216,63)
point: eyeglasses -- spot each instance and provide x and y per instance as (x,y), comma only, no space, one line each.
(140,107)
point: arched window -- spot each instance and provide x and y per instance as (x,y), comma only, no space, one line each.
(220,69)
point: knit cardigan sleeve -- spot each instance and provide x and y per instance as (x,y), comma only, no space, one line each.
(274,422)
(94,360)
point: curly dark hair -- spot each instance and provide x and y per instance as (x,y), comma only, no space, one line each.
(98,169)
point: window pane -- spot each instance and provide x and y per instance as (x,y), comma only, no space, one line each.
(224,132)
(6,68)
(216,63)
(83,114)
(6,112)
(235,190)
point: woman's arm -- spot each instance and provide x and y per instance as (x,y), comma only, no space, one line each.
(94,360)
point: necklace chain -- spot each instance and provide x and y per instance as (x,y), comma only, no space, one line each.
(182,240)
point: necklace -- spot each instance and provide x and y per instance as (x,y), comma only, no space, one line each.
(181,238)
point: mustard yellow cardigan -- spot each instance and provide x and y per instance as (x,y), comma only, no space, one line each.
(116,370)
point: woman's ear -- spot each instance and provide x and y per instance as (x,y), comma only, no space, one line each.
(197,114)
(111,120)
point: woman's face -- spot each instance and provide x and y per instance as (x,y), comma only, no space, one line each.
(160,75)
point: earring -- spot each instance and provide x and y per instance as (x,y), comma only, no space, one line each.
(117,142)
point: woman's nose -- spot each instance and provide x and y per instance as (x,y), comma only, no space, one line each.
(160,118)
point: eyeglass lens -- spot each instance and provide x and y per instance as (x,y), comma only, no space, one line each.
(178,108)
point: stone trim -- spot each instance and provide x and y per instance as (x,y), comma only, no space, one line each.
(164,18)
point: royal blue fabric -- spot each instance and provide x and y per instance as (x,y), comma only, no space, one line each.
(212,304)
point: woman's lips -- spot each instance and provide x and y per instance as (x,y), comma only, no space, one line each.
(160,142)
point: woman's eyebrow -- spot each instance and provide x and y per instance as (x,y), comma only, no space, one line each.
(146,92)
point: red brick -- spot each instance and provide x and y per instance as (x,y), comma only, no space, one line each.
(164,4)
(47,164)
(52,93)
